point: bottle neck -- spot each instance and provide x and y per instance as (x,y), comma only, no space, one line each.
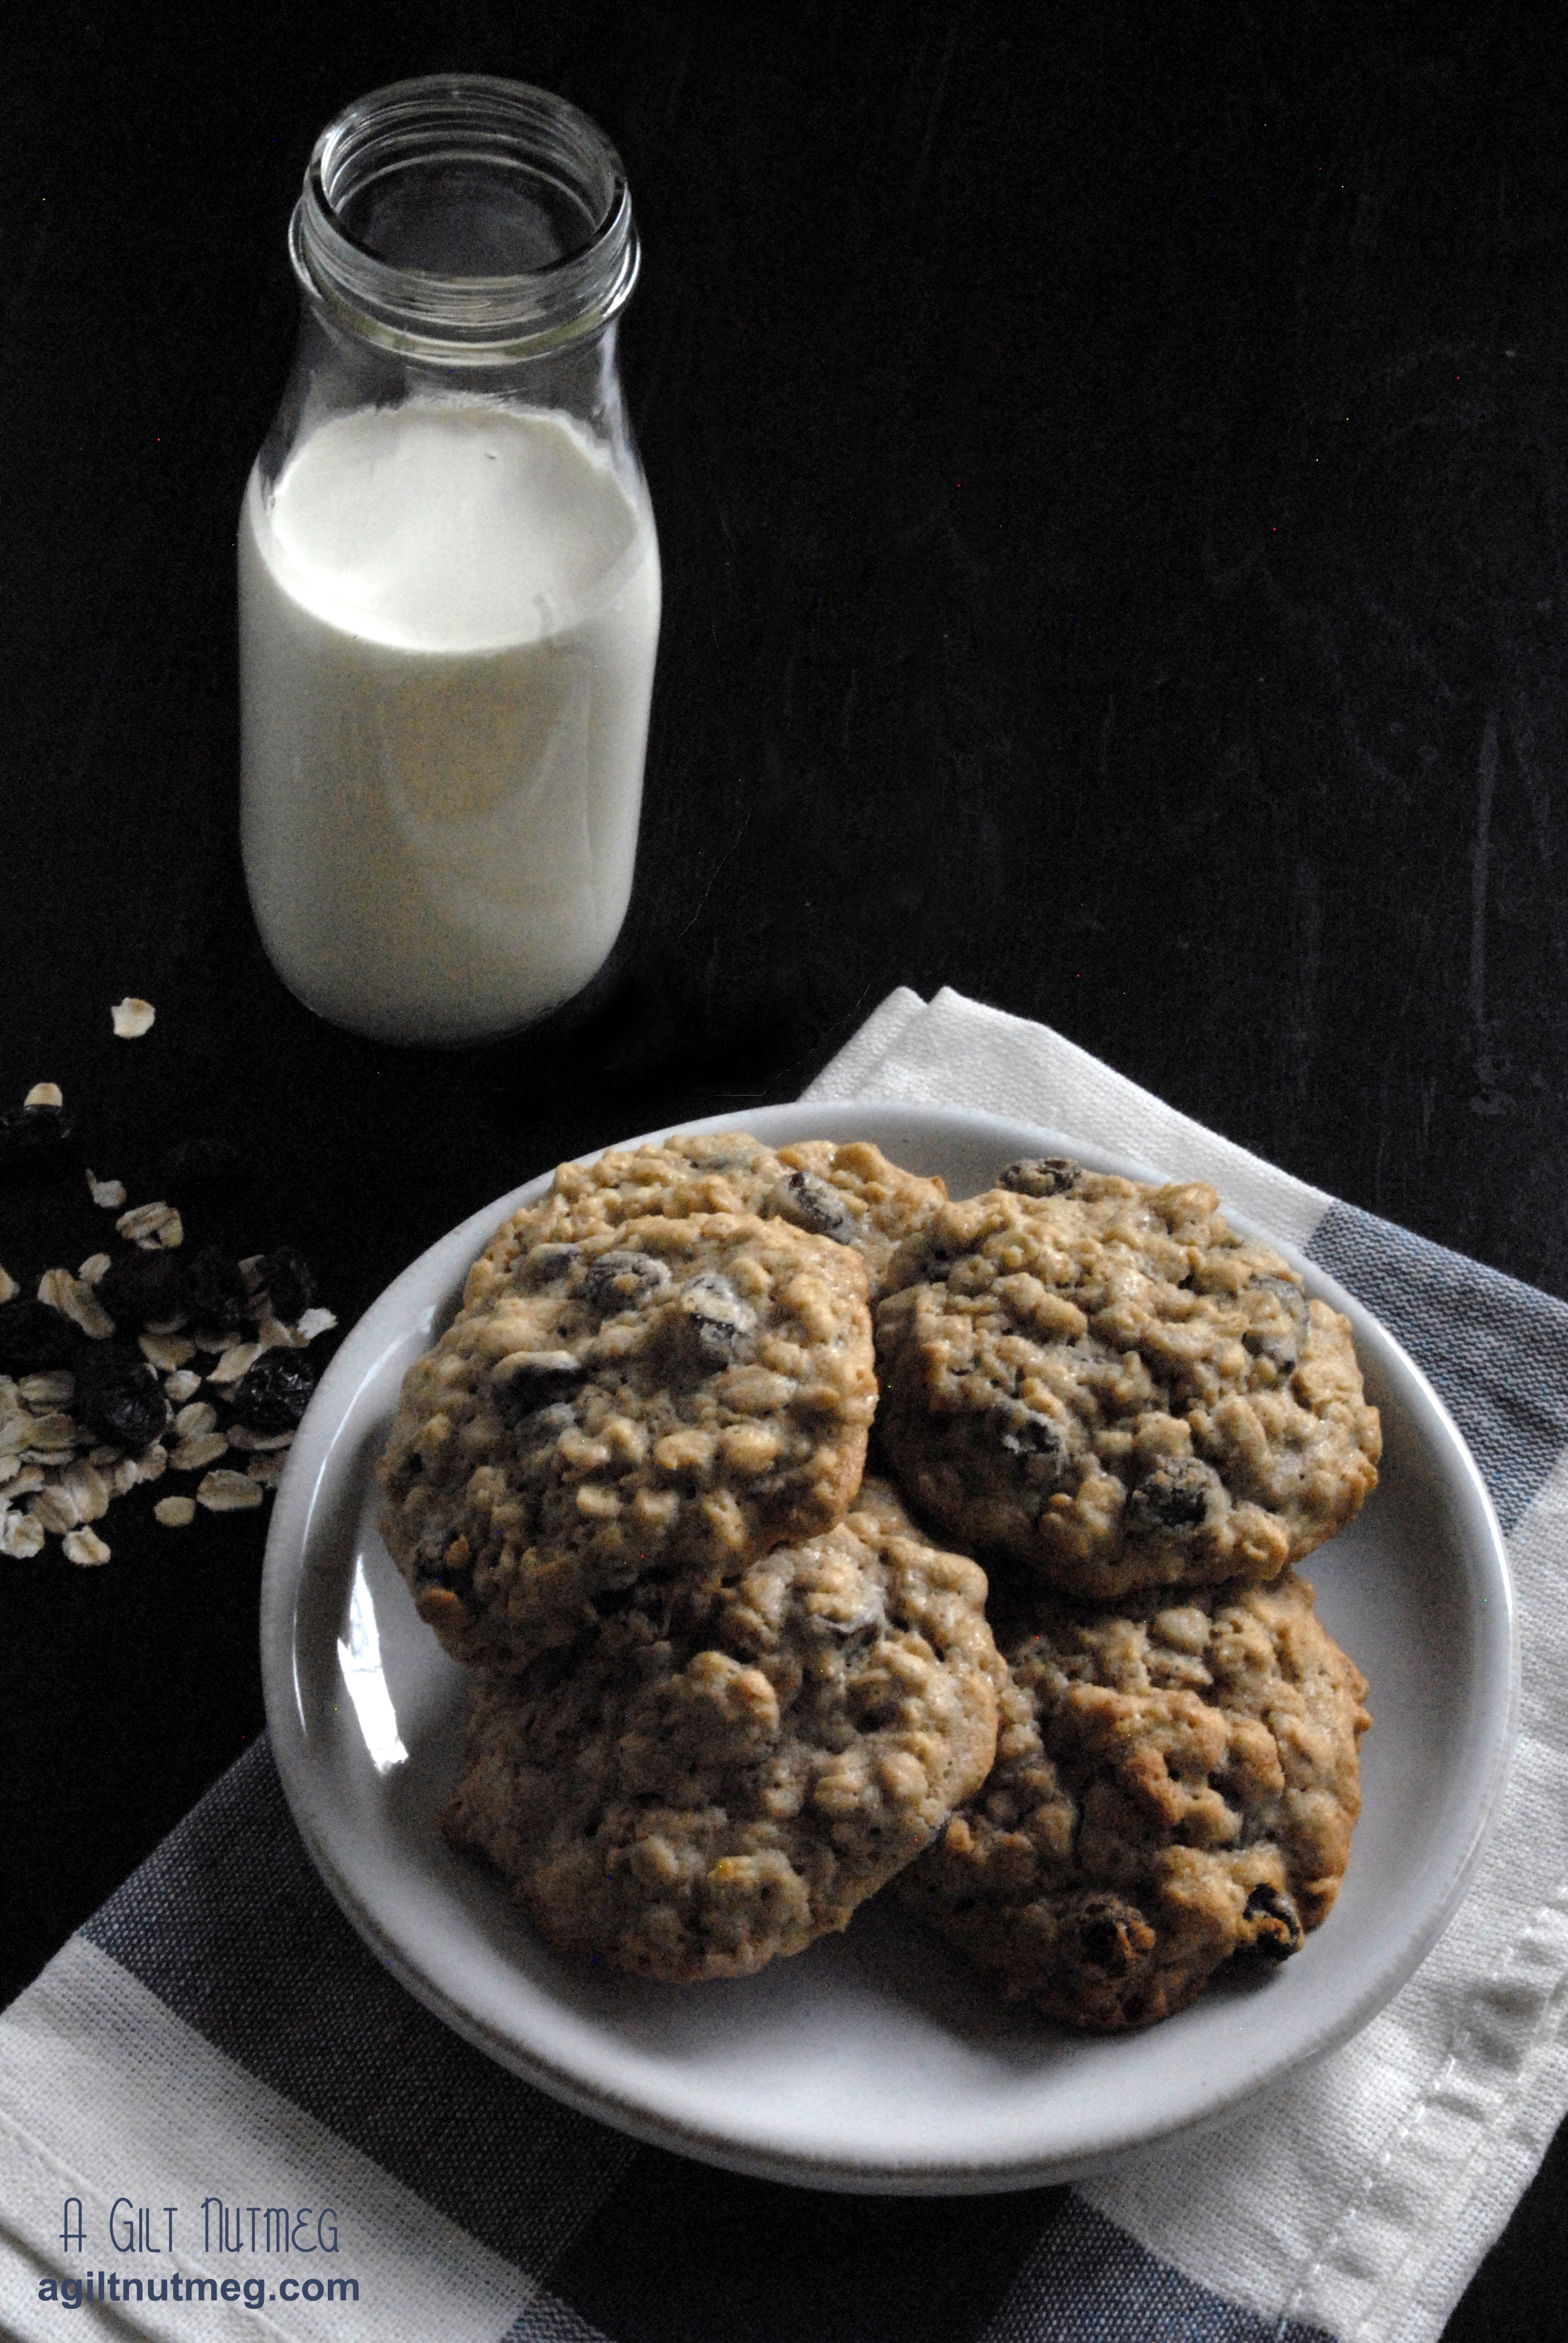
(464,223)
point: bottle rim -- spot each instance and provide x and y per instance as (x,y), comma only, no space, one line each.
(473,320)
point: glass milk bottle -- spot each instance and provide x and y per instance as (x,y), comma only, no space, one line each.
(449,575)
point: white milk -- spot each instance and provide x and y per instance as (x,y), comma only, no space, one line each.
(449,614)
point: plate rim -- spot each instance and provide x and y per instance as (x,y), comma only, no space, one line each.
(301,1492)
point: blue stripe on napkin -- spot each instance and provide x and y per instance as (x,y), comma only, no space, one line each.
(1089,2282)
(681,2253)
(228,1924)
(685,2255)
(1496,1351)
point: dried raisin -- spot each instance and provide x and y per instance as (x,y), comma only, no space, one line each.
(1037,1440)
(215,1290)
(142,1287)
(1174,1497)
(1112,1934)
(34,1139)
(289,1282)
(1280,1930)
(118,1397)
(276,1392)
(814,1204)
(623,1281)
(718,1317)
(1041,1175)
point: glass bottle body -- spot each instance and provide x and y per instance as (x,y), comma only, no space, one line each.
(450,603)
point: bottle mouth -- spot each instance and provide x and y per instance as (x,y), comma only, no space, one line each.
(466,219)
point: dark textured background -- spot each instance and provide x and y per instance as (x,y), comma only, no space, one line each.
(1110,477)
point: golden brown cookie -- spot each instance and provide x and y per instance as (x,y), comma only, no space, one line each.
(1176,1783)
(666,1395)
(1102,1381)
(715,1776)
(851,1193)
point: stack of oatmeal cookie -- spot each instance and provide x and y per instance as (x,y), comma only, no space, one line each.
(726,1685)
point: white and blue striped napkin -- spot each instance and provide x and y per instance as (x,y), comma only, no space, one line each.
(217,2041)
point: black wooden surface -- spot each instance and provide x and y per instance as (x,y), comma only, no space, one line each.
(1110,468)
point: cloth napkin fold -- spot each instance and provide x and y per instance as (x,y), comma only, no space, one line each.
(220,2118)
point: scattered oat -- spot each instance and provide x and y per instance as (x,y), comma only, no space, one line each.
(151,1225)
(194,1455)
(55,1389)
(272,1334)
(78,1302)
(58,1477)
(87,1490)
(20,1535)
(228,1492)
(56,1508)
(133,1017)
(53,1434)
(259,1444)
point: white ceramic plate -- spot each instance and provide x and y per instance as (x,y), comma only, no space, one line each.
(875,2060)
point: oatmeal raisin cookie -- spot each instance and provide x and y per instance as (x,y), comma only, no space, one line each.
(1173,1785)
(664,1393)
(1101,1380)
(716,1775)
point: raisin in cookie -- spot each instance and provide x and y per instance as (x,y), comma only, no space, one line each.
(851,1193)
(1172,1787)
(1102,1381)
(667,1393)
(719,1774)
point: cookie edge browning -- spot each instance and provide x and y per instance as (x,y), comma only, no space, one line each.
(1003,1943)
(931,1589)
(581,1201)
(884,1204)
